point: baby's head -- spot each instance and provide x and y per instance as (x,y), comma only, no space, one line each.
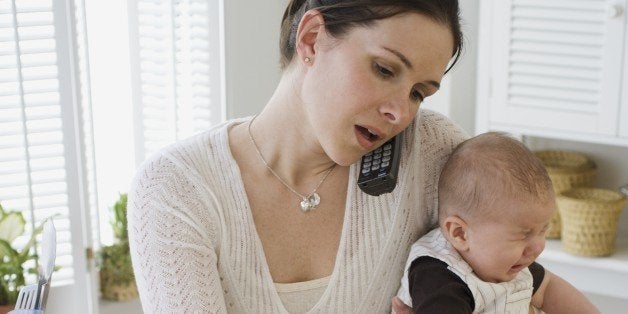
(495,203)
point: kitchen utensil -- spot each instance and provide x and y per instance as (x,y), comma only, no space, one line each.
(46,263)
(32,298)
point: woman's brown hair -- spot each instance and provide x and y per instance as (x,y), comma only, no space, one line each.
(342,15)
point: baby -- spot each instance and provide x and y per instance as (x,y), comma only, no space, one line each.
(495,203)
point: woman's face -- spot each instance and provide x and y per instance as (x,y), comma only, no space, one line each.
(364,88)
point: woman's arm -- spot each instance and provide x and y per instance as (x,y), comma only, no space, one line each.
(555,295)
(172,242)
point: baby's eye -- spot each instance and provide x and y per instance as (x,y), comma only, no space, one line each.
(544,230)
(383,71)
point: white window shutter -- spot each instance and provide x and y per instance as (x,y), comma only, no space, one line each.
(84,81)
(554,63)
(175,56)
(41,155)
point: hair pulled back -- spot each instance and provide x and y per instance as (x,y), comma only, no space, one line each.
(341,15)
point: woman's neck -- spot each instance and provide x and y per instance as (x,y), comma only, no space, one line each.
(286,140)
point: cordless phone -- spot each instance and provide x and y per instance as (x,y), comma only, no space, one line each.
(379,168)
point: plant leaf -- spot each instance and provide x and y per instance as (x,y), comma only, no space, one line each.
(26,249)
(11,226)
(7,250)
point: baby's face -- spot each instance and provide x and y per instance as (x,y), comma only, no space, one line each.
(499,248)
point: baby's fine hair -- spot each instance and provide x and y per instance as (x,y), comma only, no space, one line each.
(342,15)
(489,167)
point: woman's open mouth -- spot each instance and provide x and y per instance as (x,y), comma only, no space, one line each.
(366,137)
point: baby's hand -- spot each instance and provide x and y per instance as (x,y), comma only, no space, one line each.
(399,307)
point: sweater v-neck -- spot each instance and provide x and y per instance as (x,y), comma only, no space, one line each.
(258,247)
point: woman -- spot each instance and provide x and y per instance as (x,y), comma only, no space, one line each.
(263,214)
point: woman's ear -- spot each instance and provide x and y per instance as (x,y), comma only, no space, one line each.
(456,231)
(311,27)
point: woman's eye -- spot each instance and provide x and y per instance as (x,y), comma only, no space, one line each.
(382,71)
(416,95)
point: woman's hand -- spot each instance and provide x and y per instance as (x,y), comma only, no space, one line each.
(399,307)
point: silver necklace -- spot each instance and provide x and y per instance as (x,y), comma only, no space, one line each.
(308,202)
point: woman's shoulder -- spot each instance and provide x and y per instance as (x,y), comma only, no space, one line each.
(198,151)
(192,160)
(437,134)
(435,127)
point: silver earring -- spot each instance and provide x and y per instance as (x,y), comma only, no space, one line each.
(307,59)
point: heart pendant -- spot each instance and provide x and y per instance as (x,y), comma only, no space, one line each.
(310,202)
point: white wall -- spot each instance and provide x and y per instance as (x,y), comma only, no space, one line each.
(456,98)
(251,54)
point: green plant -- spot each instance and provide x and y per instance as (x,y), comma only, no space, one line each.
(118,221)
(117,281)
(116,260)
(12,259)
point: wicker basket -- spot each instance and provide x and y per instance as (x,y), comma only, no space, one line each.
(589,220)
(566,170)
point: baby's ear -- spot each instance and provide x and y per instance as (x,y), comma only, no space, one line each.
(455,229)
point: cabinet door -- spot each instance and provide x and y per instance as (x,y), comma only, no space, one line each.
(556,65)
(623,112)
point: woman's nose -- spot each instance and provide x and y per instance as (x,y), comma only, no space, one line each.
(395,111)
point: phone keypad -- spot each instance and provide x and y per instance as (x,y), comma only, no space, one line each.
(377,160)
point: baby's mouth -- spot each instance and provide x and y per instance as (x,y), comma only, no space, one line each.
(517,268)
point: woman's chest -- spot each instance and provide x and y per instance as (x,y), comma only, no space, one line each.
(298,245)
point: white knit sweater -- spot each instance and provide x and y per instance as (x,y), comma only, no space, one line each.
(195,249)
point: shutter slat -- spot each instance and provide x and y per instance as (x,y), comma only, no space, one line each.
(585,5)
(552,71)
(553,94)
(555,58)
(15,167)
(11,166)
(553,82)
(555,37)
(558,13)
(44,189)
(559,26)
(556,49)
(7,184)
(556,104)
